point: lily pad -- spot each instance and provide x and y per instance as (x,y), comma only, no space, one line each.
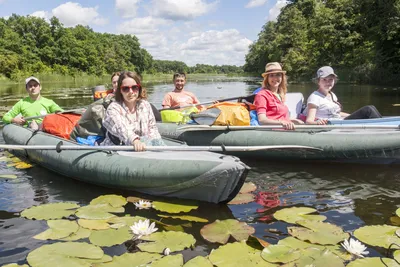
(398,212)
(50,211)
(118,222)
(198,261)
(170,261)
(132,259)
(316,257)
(378,235)
(237,254)
(294,214)
(113,200)
(8,176)
(175,207)
(184,218)
(395,220)
(110,237)
(64,254)
(396,255)
(242,199)
(175,241)
(58,229)
(280,254)
(80,234)
(373,262)
(247,188)
(94,224)
(220,231)
(98,212)
(257,243)
(15,265)
(318,232)
(21,165)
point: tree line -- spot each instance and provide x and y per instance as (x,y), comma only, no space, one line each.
(31,45)
(359,38)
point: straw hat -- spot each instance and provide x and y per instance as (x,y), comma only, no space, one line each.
(273,67)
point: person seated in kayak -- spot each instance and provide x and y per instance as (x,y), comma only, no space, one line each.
(129,120)
(180,97)
(33,105)
(323,104)
(270,101)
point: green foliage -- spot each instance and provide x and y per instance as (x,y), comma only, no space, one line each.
(359,38)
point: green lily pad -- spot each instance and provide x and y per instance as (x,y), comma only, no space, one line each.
(396,255)
(80,234)
(220,231)
(175,241)
(247,188)
(118,222)
(175,207)
(292,215)
(318,232)
(113,200)
(198,261)
(64,254)
(110,237)
(395,220)
(15,265)
(8,176)
(98,212)
(184,218)
(280,254)
(316,257)
(50,211)
(398,212)
(378,235)
(168,227)
(237,254)
(58,229)
(242,199)
(131,259)
(373,262)
(398,232)
(170,261)
(94,224)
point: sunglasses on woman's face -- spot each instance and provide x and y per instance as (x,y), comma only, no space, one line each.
(134,88)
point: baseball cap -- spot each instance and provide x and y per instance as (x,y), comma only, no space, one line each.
(325,71)
(27,80)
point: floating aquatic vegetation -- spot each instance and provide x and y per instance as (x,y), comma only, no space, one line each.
(115,201)
(248,187)
(175,241)
(396,255)
(267,199)
(316,257)
(135,199)
(58,229)
(395,220)
(171,260)
(8,176)
(110,237)
(373,262)
(294,214)
(98,212)
(355,247)
(50,211)
(242,199)
(118,222)
(378,235)
(176,206)
(398,212)
(143,228)
(184,218)
(318,232)
(220,231)
(131,259)
(198,261)
(80,234)
(280,254)
(94,224)
(143,204)
(257,242)
(15,265)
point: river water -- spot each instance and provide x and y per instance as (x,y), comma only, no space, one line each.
(349,195)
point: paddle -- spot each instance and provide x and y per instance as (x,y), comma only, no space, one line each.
(209,102)
(77,110)
(59,148)
(396,105)
(298,127)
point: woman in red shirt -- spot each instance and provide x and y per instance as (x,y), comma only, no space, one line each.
(270,101)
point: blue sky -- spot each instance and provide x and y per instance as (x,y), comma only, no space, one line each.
(193,31)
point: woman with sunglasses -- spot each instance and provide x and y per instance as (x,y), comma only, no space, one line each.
(270,100)
(323,104)
(129,120)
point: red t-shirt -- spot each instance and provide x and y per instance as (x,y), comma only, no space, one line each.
(269,104)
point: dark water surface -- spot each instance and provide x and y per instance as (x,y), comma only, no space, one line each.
(350,196)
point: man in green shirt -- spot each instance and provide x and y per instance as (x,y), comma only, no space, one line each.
(33,105)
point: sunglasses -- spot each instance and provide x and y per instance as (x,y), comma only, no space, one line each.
(134,88)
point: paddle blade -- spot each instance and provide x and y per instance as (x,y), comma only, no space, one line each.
(207,117)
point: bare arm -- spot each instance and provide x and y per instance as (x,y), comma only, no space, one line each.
(312,111)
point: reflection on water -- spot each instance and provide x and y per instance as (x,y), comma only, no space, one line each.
(349,195)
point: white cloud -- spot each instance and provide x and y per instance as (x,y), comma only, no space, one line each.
(276,9)
(41,14)
(181,9)
(127,8)
(72,14)
(255,3)
(145,25)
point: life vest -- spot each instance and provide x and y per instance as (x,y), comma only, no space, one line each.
(236,114)
(100,92)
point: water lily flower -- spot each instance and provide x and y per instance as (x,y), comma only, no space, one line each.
(143,204)
(355,247)
(143,228)
(167,251)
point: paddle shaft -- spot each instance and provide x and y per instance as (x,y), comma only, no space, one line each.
(206,103)
(153,148)
(65,111)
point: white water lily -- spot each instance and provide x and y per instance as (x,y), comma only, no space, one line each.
(143,228)
(355,247)
(143,204)
(167,251)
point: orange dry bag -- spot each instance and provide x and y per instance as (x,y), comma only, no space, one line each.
(60,125)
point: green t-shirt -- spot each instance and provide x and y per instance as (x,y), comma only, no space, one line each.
(29,108)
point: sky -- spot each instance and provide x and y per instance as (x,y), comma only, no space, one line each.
(215,32)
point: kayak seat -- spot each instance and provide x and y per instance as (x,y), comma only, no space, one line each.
(294,101)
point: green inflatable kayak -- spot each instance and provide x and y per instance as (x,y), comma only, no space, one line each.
(197,175)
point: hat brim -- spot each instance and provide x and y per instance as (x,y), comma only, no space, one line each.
(333,74)
(274,71)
